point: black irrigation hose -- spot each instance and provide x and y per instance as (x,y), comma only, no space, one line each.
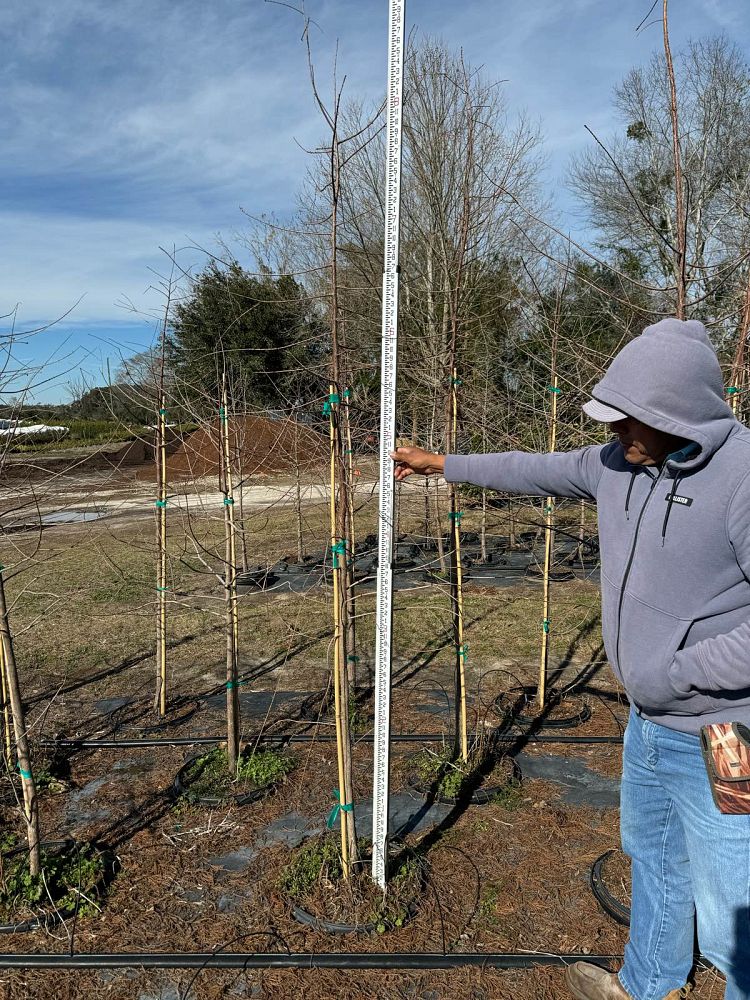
(568,722)
(611,906)
(298,960)
(412,908)
(93,744)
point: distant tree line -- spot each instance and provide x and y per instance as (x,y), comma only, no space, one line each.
(485,274)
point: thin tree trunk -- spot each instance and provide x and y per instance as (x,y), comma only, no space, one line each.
(738,389)
(160,699)
(350,534)
(242,532)
(340,497)
(680,256)
(298,512)
(549,537)
(31,805)
(439,537)
(7,733)
(483,528)
(160,457)
(230,590)
(512,533)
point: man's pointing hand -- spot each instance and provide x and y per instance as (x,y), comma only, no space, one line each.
(411,460)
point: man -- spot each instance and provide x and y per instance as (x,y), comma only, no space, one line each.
(673,497)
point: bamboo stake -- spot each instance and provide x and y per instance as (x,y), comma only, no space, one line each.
(31,804)
(8,738)
(230,589)
(549,534)
(457,594)
(160,701)
(337,671)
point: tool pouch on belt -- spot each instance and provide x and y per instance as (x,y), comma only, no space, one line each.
(726,751)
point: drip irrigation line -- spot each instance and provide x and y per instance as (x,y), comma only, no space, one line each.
(609,903)
(86,744)
(553,699)
(297,960)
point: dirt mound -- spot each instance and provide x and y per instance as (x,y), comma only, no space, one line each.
(257,444)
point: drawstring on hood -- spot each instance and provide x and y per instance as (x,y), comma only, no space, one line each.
(633,474)
(670,501)
(675,459)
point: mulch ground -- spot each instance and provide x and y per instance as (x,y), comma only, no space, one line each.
(501,879)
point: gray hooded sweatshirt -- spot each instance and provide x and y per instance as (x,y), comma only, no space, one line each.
(675,541)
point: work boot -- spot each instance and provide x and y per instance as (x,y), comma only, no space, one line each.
(590,982)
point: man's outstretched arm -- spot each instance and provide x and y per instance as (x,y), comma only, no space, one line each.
(573,474)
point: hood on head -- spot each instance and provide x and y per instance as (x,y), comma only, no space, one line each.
(669,378)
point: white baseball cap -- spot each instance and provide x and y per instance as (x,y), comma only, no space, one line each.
(603,413)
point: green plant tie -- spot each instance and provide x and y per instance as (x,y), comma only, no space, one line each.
(348,451)
(161,590)
(463,651)
(160,504)
(163,413)
(731,390)
(353,659)
(231,685)
(340,806)
(545,626)
(334,398)
(24,774)
(228,501)
(347,393)
(455,516)
(222,414)
(553,388)
(338,549)
(457,381)
(549,509)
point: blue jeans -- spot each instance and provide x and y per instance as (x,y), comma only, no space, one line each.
(687,859)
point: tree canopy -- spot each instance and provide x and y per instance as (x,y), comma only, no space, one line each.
(261,329)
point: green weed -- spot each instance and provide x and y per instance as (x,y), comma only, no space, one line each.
(66,877)
(510,796)
(209,774)
(314,860)
(488,903)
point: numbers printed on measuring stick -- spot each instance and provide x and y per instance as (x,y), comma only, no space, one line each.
(384,590)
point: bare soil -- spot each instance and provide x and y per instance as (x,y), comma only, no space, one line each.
(258,445)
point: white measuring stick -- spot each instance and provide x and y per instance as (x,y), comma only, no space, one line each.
(384,607)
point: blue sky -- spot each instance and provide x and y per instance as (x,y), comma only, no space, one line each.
(132,125)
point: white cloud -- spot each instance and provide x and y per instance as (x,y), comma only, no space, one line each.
(131,123)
